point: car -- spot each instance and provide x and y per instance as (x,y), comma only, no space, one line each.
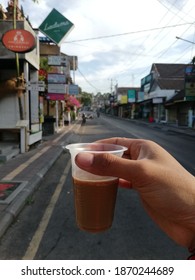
(88,114)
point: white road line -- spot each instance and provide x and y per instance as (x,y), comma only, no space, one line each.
(36,240)
(21,167)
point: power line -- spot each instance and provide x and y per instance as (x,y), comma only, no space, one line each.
(171,10)
(87,80)
(128,33)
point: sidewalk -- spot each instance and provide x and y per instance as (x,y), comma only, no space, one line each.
(178,129)
(167,127)
(26,171)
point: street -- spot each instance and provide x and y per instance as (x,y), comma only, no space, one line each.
(46,227)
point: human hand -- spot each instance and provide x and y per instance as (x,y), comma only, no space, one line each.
(166,189)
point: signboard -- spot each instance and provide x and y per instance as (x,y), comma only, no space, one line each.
(34,103)
(73,89)
(190,89)
(56,60)
(123,99)
(190,70)
(44,39)
(56,26)
(157,100)
(140,96)
(190,82)
(55,96)
(57,88)
(36,86)
(131,95)
(56,78)
(146,88)
(19,40)
(190,98)
(146,80)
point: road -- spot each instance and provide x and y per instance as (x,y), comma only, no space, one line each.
(46,229)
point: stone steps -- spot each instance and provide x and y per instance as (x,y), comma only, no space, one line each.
(8,151)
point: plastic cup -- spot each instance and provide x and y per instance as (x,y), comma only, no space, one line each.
(94,195)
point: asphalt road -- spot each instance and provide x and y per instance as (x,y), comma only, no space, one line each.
(46,229)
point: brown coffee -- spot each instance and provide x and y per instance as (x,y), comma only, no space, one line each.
(95,204)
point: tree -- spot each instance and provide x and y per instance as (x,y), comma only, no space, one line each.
(86,99)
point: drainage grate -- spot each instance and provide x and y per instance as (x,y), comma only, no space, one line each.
(9,190)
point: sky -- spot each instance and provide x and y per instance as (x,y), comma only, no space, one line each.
(117,41)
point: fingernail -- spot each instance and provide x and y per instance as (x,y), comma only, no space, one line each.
(85,159)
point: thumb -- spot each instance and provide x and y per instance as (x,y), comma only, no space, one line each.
(108,165)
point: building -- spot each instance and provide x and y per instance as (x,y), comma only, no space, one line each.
(181,107)
(19,101)
(126,98)
(160,85)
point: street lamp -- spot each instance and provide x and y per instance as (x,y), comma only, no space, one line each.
(185,40)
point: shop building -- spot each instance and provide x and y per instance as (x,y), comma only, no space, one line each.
(19,103)
(160,85)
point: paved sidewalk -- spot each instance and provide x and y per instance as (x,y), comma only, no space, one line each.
(26,171)
(30,168)
(171,127)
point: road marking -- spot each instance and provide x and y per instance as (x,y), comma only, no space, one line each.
(21,167)
(59,137)
(36,240)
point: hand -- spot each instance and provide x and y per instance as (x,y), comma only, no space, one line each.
(166,189)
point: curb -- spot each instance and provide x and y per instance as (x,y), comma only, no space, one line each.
(12,211)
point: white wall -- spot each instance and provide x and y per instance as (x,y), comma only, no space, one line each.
(9,111)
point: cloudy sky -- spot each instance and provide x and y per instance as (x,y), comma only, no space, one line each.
(117,41)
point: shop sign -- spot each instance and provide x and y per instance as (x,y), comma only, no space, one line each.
(56,60)
(131,95)
(190,83)
(190,89)
(73,89)
(146,88)
(157,100)
(56,78)
(140,96)
(190,70)
(56,88)
(124,99)
(19,40)
(190,98)
(56,26)
(146,80)
(55,96)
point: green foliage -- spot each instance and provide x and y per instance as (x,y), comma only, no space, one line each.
(86,98)
(44,63)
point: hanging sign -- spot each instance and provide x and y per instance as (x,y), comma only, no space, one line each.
(56,26)
(19,40)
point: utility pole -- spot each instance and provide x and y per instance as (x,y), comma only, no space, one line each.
(111,86)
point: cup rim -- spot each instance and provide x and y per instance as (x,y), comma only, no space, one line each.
(77,147)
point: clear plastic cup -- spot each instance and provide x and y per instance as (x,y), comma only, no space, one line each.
(94,195)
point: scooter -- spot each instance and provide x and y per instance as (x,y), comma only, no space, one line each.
(83,119)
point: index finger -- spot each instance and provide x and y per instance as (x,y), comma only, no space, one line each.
(133,145)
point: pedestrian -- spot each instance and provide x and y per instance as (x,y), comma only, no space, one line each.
(165,187)
(83,119)
(98,112)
